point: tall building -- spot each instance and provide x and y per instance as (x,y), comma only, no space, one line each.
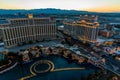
(85,29)
(24,30)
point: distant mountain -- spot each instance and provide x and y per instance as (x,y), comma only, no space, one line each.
(47,11)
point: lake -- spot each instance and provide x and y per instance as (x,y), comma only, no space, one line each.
(22,70)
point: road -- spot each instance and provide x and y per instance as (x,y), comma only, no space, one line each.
(110,63)
(18,48)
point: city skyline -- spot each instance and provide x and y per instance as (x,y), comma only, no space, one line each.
(87,5)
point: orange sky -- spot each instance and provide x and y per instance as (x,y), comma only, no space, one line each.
(86,5)
(105,9)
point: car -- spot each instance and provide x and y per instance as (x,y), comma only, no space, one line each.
(41,45)
(92,52)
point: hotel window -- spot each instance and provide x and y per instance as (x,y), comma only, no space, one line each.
(7,43)
(30,22)
(5,34)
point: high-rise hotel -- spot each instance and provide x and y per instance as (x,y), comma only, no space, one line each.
(25,30)
(84,29)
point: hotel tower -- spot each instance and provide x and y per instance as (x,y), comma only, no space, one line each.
(24,30)
(84,29)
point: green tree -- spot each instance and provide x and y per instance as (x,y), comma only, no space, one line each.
(69,56)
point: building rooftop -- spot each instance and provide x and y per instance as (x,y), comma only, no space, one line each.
(117,36)
(84,20)
(100,40)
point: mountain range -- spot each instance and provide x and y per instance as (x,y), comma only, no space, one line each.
(47,11)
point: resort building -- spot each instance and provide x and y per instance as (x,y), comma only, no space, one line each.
(24,30)
(105,33)
(85,29)
(117,38)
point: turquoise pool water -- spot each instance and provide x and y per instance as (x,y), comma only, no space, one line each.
(59,62)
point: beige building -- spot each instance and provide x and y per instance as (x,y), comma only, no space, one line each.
(85,29)
(25,30)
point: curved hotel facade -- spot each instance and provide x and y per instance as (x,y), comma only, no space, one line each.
(25,30)
(84,29)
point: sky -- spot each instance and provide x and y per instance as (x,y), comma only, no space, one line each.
(85,5)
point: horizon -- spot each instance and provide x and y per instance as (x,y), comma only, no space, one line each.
(62,9)
(79,5)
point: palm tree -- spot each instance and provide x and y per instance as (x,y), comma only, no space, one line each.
(6,54)
(4,62)
(62,53)
(30,42)
(86,60)
(90,77)
(50,50)
(69,56)
(19,58)
(82,78)
(75,79)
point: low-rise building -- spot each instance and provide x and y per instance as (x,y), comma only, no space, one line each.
(105,33)
(117,38)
